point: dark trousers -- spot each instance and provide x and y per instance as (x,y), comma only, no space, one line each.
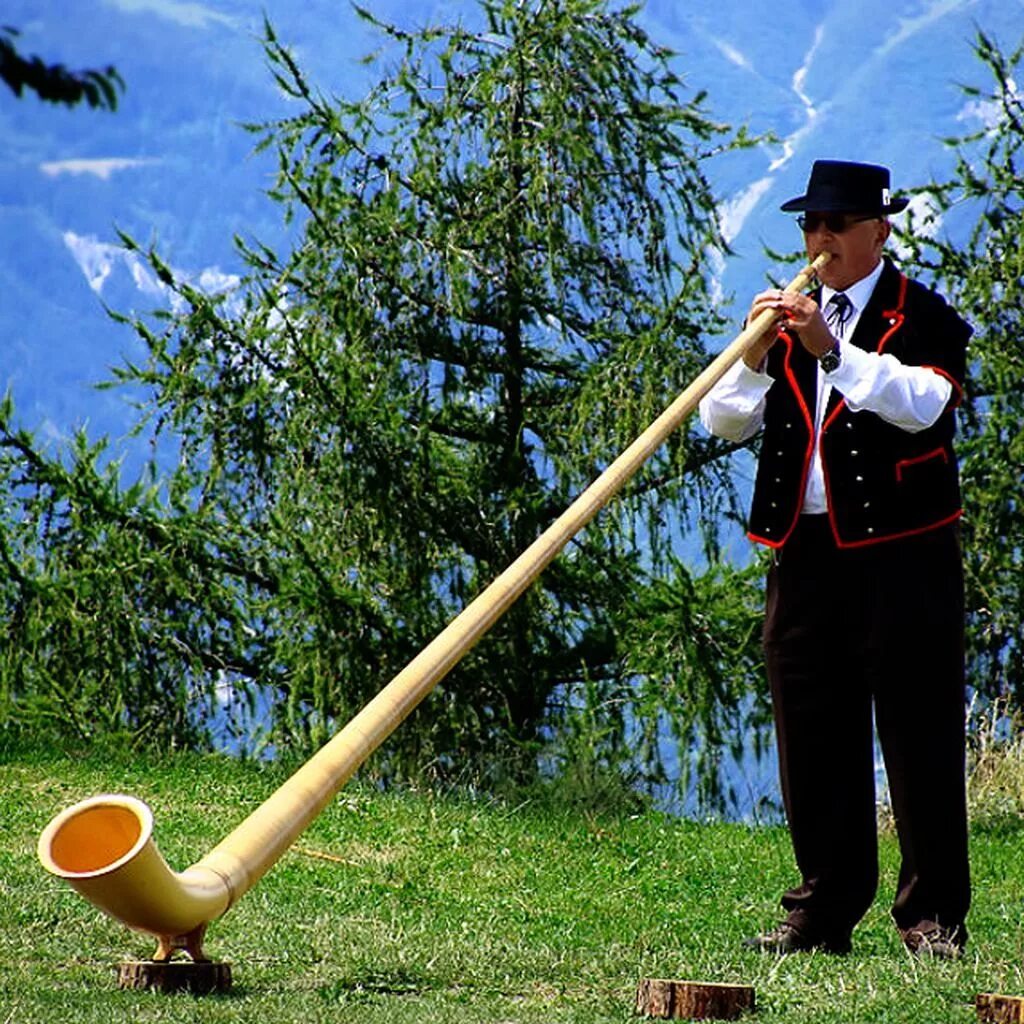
(848,632)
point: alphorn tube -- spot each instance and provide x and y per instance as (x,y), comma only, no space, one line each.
(104,846)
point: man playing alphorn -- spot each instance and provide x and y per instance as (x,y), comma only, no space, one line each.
(857,494)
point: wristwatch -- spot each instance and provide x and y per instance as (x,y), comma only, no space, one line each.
(829,362)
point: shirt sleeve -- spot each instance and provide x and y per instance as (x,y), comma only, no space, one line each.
(909,397)
(734,408)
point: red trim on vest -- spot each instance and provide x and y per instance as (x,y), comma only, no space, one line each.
(809,451)
(899,536)
(906,463)
(900,300)
(791,377)
(894,316)
(774,544)
(847,545)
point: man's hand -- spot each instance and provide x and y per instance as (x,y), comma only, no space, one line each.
(794,311)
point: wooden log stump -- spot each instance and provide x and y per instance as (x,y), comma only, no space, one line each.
(993,1009)
(199,978)
(692,1000)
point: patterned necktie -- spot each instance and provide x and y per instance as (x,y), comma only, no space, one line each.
(838,311)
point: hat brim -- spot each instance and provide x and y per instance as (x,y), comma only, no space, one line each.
(826,205)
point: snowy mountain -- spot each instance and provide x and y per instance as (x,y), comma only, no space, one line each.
(858,79)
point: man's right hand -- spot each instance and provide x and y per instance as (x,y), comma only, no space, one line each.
(772,300)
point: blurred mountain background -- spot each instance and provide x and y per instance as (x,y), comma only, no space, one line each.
(172,166)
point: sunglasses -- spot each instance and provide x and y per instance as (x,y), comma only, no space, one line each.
(837,223)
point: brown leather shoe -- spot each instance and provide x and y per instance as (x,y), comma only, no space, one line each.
(930,939)
(787,938)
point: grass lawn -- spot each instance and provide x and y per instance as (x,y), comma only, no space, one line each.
(416,907)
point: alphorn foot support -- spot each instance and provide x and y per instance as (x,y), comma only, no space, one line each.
(190,943)
(198,974)
(203,977)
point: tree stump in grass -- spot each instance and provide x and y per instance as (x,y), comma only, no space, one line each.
(692,1000)
(993,1009)
(198,977)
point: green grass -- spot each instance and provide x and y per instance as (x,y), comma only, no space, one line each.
(415,907)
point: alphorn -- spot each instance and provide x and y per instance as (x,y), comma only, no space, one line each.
(104,847)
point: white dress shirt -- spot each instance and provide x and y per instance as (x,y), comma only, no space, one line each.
(909,397)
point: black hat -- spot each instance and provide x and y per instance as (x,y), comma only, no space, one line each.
(843,187)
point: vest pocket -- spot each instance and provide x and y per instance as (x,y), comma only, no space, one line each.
(907,467)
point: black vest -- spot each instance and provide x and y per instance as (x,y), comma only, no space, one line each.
(882,482)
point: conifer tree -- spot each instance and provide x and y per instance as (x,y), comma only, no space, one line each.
(499,279)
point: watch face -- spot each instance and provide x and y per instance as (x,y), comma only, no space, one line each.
(830,360)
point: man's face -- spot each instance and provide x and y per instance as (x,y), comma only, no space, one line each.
(854,240)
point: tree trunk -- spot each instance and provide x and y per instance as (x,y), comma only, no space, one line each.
(994,1009)
(198,977)
(692,1000)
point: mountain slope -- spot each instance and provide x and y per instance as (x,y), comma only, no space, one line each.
(864,79)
